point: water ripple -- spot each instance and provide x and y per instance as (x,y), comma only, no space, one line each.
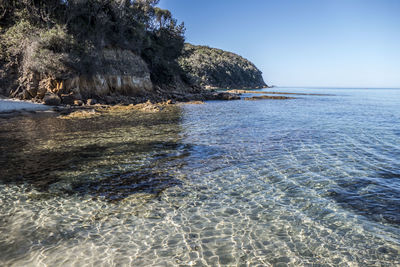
(313,181)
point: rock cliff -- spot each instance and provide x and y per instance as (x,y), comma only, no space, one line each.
(122,73)
(124,77)
(76,52)
(215,68)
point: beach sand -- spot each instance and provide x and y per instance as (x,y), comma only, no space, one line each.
(11,105)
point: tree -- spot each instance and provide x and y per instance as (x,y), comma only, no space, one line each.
(61,38)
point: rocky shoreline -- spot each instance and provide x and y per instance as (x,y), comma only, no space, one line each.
(70,66)
(160,96)
(94,106)
(157,96)
(152,101)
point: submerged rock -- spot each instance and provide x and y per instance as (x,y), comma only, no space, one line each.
(224,96)
(268,97)
(195,102)
(236,91)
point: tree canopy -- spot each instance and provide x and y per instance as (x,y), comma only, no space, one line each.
(63,37)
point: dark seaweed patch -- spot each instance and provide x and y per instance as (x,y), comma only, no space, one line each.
(371,197)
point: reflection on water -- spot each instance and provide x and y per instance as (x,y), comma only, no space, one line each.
(312,181)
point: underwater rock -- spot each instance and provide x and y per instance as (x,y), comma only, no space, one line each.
(268,97)
(226,96)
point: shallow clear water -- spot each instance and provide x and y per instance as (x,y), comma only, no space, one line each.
(307,181)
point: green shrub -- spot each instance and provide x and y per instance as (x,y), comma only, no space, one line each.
(61,38)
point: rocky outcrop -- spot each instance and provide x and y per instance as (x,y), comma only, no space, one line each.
(122,73)
(214,68)
(122,77)
(110,60)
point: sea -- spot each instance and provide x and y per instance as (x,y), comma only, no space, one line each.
(309,181)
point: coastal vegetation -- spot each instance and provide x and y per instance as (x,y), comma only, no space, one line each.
(72,51)
(61,39)
(216,68)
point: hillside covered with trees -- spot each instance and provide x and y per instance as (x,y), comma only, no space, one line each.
(60,39)
(81,49)
(215,68)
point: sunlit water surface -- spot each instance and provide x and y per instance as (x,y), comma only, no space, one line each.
(307,181)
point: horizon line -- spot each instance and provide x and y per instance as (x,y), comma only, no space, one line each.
(333,87)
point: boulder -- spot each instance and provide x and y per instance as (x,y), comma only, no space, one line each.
(110,100)
(67,99)
(78,102)
(51,99)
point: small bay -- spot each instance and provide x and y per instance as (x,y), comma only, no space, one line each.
(291,182)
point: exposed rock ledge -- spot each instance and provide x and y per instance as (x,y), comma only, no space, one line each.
(122,78)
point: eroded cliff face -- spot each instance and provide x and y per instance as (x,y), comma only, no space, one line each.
(101,85)
(121,77)
(121,73)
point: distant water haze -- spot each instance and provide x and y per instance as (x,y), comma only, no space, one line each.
(342,43)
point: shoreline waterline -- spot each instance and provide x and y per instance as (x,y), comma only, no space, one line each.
(8,105)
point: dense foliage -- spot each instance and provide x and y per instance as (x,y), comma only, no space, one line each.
(62,38)
(219,69)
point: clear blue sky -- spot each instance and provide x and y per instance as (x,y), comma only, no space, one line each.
(345,43)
